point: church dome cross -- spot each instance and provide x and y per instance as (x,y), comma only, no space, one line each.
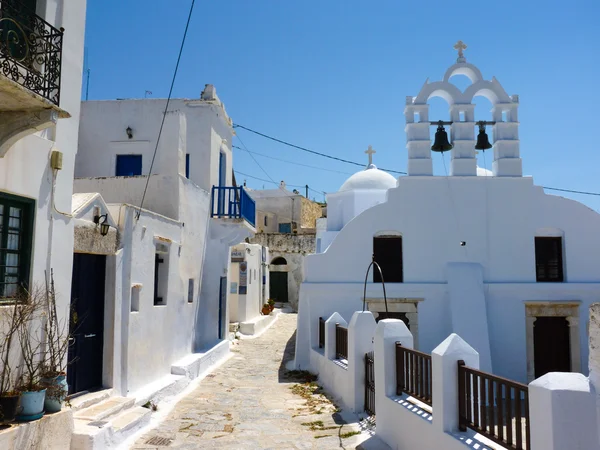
(370,152)
(460,46)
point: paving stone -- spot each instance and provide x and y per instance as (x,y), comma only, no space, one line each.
(248,405)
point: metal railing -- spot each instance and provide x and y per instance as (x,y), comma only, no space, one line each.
(494,406)
(370,383)
(30,50)
(341,342)
(233,203)
(413,373)
(321,332)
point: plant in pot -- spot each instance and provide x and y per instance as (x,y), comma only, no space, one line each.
(266,309)
(54,375)
(30,336)
(9,396)
(271,304)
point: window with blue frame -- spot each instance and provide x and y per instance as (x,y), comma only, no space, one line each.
(129,165)
(285,227)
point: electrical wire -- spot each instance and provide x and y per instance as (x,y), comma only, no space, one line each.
(310,151)
(187,25)
(381,168)
(292,162)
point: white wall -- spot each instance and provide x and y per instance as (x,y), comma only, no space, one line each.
(498,218)
(246,307)
(196,127)
(25,169)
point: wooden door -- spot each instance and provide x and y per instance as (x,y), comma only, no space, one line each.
(552,345)
(278,286)
(87,323)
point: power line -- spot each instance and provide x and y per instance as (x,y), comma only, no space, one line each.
(292,162)
(362,165)
(187,25)
(571,191)
(310,151)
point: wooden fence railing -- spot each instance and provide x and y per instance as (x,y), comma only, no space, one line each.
(493,406)
(321,332)
(341,342)
(413,373)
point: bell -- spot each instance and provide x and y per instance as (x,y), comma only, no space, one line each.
(441,144)
(483,143)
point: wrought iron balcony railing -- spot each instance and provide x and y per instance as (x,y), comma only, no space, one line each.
(233,203)
(30,50)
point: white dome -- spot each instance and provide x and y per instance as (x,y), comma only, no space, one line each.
(370,178)
(481,172)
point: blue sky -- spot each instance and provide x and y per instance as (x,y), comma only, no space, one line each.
(332,75)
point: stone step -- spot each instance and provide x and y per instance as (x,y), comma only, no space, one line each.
(85,401)
(131,420)
(105,409)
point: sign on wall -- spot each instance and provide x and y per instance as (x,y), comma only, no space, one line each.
(237,255)
(233,288)
(243,278)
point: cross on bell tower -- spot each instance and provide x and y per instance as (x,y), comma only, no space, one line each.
(370,152)
(460,46)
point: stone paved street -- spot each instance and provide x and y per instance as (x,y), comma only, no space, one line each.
(252,402)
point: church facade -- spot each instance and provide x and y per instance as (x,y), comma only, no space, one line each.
(489,256)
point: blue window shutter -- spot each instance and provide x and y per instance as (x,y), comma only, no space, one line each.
(285,227)
(129,165)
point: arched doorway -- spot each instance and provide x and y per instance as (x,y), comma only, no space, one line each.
(278,279)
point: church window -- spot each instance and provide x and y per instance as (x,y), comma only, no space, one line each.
(387,251)
(461,116)
(265,221)
(549,259)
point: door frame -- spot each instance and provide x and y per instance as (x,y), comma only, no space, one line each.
(568,309)
(403,305)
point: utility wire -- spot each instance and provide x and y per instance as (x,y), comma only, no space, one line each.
(187,25)
(381,168)
(308,150)
(292,162)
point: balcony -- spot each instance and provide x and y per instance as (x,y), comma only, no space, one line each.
(233,203)
(30,70)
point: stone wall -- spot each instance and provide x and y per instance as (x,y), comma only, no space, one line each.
(311,211)
(286,243)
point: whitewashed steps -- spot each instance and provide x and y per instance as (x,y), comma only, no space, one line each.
(107,424)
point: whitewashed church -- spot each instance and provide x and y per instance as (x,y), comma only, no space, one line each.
(487,255)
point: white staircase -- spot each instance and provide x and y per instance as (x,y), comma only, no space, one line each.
(103,422)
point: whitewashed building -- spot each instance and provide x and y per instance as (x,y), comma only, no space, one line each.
(493,258)
(162,296)
(286,224)
(41,55)
(248,278)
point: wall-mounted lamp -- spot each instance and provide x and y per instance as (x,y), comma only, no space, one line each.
(129,132)
(101,220)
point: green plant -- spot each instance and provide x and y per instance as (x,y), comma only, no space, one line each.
(271,302)
(151,405)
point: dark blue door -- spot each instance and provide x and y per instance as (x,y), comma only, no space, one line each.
(129,165)
(222,192)
(222,306)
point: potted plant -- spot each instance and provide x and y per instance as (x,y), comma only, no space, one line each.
(266,309)
(54,376)
(30,336)
(271,304)
(9,397)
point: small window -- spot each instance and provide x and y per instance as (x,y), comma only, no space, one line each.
(135,298)
(549,259)
(461,116)
(161,275)
(129,165)
(285,227)
(504,116)
(387,251)
(191,290)
(187,166)
(265,221)
(417,117)
(16,233)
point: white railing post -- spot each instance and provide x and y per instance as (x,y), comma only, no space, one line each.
(361,332)
(562,412)
(444,383)
(330,334)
